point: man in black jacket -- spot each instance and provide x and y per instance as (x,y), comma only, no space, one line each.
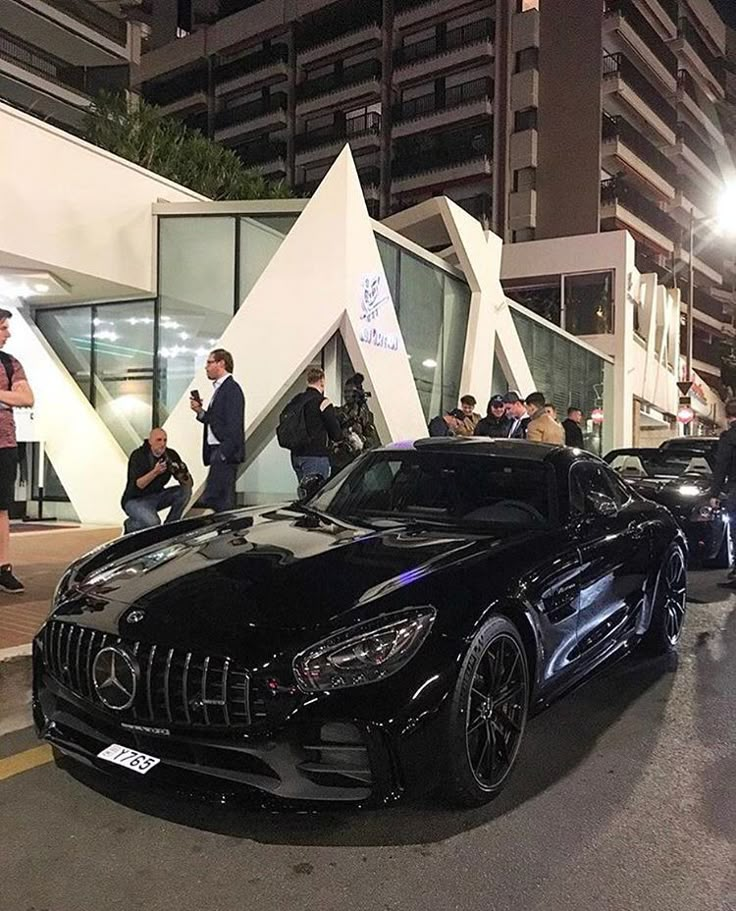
(311,456)
(495,424)
(573,431)
(517,414)
(724,475)
(223,442)
(150,468)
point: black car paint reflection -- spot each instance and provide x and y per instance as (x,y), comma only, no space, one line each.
(678,475)
(387,637)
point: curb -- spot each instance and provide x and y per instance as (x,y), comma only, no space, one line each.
(18,651)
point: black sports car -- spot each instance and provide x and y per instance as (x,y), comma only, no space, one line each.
(390,635)
(680,479)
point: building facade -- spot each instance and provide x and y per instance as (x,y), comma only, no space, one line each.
(56,56)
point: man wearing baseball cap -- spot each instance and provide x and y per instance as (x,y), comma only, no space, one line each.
(516,411)
(495,424)
(447,424)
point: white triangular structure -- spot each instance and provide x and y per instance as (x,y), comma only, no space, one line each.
(327,276)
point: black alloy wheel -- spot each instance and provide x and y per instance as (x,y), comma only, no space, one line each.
(670,605)
(489,713)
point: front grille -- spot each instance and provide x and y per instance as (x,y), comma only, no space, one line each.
(175,687)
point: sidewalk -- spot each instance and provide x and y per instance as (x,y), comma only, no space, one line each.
(39,559)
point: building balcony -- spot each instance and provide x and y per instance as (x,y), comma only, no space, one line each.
(627,90)
(177,87)
(460,102)
(185,106)
(480,207)
(523,210)
(340,87)
(706,262)
(411,12)
(94,17)
(623,206)
(524,149)
(316,33)
(252,116)
(624,148)
(624,17)
(699,104)
(468,44)
(439,166)
(266,65)
(525,90)
(698,154)
(360,36)
(692,49)
(43,66)
(267,157)
(361,132)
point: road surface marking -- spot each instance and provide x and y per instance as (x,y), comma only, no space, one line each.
(24,761)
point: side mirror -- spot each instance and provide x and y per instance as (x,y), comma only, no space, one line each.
(603,505)
(309,487)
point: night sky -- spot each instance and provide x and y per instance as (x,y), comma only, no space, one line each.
(727,9)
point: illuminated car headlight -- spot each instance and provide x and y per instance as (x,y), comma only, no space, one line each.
(702,513)
(363,654)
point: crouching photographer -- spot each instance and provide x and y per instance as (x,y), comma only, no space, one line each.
(150,468)
(356,423)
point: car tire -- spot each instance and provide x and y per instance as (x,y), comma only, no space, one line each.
(722,559)
(488,714)
(669,605)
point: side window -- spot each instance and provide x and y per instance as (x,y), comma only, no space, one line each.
(585,479)
(619,491)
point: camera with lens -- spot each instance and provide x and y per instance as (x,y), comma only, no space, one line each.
(178,470)
(354,385)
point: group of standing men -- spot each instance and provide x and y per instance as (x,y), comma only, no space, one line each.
(510,417)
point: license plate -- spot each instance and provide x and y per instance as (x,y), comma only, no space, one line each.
(131,759)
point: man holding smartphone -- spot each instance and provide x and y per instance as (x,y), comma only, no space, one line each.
(150,468)
(223,443)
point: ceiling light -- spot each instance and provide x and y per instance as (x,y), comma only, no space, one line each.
(42,287)
(16,283)
(429,363)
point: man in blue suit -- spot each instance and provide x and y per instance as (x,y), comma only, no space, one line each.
(223,444)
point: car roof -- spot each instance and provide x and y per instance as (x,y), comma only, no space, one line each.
(500,448)
(690,443)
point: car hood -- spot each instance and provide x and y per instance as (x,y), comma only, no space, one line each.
(267,570)
(675,493)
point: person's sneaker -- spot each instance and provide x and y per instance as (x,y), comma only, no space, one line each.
(9,582)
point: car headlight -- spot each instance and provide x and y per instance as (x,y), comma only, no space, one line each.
(62,585)
(702,513)
(365,653)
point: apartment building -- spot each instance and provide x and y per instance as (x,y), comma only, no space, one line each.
(544,118)
(56,56)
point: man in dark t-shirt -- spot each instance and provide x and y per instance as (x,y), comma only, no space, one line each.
(150,468)
(14,393)
(311,457)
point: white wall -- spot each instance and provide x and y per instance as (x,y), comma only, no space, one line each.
(69,205)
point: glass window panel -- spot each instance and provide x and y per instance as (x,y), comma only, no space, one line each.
(260,238)
(69,333)
(197,293)
(123,380)
(455,329)
(589,303)
(421,294)
(543,299)
(390,258)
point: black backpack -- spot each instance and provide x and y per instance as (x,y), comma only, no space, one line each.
(292,429)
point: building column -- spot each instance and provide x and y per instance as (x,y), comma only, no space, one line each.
(387,72)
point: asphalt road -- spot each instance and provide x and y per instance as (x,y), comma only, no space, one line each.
(624,798)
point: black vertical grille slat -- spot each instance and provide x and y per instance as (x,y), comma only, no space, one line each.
(175,687)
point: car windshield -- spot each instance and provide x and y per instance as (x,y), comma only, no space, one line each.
(457,489)
(662,463)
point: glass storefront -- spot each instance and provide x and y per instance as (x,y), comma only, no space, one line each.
(581,304)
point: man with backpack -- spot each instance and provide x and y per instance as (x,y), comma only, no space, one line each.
(14,393)
(306,427)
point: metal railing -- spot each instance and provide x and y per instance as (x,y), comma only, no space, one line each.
(351,75)
(690,87)
(619,128)
(251,109)
(620,65)
(617,191)
(415,157)
(704,152)
(644,30)
(463,36)
(688,31)
(670,7)
(35,61)
(456,96)
(174,88)
(336,21)
(231,69)
(365,124)
(255,153)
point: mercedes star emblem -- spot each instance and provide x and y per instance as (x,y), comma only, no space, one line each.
(115,677)
(135,616)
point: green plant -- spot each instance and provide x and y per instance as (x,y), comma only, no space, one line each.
(141,133)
